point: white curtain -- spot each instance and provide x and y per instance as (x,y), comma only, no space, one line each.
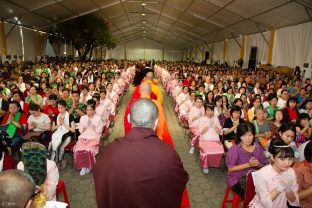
(256,40)
(233,51)
(293,45)
(14,40)
(218,51)
(30,44)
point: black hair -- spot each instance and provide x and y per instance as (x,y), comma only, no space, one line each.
(210,106)
(291,99)
(20,94)
(242,129)
(278,110)
(235,108)
(75,92)
(198,98)
(278,148)
(303,106)
(308,152)
(83,87)
(66,89)
(96,96)
(52,97)
(237,100)
(271,96)
(91,103)
(109,83)
(303,116)
(62,103)
(217,98)
(102,89)
(286,126)
(16,103)
(33,106)
(227,101)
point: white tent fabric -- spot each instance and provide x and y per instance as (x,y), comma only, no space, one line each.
(30,43)
(293,45)
(14,41)
(256,40)
(233,51)
(218,49)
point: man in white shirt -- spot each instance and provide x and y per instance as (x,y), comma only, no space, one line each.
(281,103)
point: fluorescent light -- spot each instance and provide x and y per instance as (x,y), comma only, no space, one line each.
(143,14)
(143,4)
(143,22)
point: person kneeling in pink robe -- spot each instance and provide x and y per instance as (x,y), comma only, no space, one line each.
(87,146)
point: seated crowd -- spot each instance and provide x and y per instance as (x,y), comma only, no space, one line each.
(60,106)
(257,120)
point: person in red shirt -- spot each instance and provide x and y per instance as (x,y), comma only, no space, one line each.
(51,110)
(18,96)
(187,81)
(15,123)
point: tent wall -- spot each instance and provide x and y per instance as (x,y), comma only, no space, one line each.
(14,40)
(291,47)
(233,50)
(144,48)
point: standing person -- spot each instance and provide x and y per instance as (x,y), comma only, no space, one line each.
(158,185)
(276,184)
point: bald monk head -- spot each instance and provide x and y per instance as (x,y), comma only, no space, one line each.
(145,88)
(144,113)
(16,189)
(149,75)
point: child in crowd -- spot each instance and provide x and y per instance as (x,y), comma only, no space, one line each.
(276,184)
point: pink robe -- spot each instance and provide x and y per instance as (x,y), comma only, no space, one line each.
(181,99)
(113,96)
(51,180)
(87,145)
(194,125)
(176,91)
(117,88)
(185,108)
(211,148)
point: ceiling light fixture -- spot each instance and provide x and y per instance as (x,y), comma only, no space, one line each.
(143,4)
(143,22)
(143,14)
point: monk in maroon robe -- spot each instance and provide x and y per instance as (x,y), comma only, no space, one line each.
(139,170)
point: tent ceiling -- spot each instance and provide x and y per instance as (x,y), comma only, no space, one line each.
(180,23)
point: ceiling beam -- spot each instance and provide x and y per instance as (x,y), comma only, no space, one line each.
(28,10)
(97,8)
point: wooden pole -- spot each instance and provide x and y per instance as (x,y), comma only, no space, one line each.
(271,44)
